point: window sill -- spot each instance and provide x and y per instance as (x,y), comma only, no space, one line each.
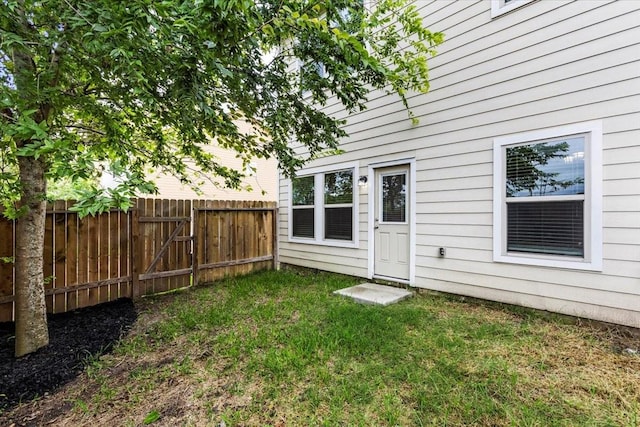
(498,8)
(555,262)
(332,243)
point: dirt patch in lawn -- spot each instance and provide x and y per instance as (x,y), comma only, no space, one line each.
(73,338)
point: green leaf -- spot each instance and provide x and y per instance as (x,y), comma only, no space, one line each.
(151,417)
(99,28)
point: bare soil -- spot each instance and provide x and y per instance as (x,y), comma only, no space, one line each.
(74,338)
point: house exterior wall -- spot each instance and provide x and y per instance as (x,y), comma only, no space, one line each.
(261,185)
(544,65)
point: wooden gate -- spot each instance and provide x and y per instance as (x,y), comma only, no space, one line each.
(233,238)
(163,242)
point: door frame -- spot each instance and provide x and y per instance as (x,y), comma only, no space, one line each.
(371,201)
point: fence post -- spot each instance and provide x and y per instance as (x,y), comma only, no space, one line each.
(274,231)
(133,252)
(194,247)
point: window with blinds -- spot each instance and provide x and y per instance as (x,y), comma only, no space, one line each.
(394,198)
(323,208)
(545,197)
(338,205)
(555,228)
(303,209)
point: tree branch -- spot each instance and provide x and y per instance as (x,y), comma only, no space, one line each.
(8,114)
(78,12)
(88,129)
(261,26)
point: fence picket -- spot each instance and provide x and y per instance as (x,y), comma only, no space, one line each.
(92,243)
(83,261)
(60,254)
(113,256)
(103,256)
(71,260)
(7,246)
(48,258)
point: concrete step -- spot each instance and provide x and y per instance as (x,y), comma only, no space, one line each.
(372,293)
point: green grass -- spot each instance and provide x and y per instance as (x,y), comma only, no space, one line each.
(278,348)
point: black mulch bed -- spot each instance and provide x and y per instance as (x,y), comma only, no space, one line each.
(73,337)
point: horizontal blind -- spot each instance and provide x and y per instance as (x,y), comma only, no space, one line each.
(338,223)
(549,227)
(394,198)
(303,222)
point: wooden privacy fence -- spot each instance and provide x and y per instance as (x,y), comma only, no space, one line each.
(158,246)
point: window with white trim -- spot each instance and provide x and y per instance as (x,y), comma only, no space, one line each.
(303,209)
(323,208)
(500,7)
(338,205)
(547,197)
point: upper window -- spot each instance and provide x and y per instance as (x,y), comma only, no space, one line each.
(500,7)
(348,18)
(547,191)
(323,207)
(310,75)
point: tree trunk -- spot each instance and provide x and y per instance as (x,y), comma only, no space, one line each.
(31,313)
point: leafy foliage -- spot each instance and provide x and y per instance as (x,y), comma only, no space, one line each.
(145,85)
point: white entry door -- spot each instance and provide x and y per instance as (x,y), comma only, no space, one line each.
(391,222)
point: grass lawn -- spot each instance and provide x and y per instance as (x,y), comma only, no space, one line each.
(278,348)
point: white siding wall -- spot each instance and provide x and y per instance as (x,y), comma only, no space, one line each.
(546,64)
